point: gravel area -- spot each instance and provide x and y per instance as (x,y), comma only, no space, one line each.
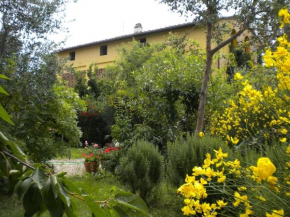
(73,167)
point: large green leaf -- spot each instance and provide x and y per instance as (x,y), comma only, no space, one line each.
(17,152)
(63,195)
(13,179)
(3,141)
(131,201)
(71,186)
(95,207)
(70,211)
(32,201)
(26,174)
(46,187)
(120,211)
(3,91)
(4,77)
(54,186)
(22,187)
(62,174)
(39,178)
(55,206)
(8,145)
(4,115)
(4,165)
(14,172)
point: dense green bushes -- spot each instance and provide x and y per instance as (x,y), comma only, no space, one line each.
(141,168)
(42,108)
(184,154)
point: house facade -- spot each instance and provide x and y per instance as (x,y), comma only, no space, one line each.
(104,52)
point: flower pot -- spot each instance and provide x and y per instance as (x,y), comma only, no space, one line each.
(91,167)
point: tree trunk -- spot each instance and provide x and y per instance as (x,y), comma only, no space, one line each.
(203,92)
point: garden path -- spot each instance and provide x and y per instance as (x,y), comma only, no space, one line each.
(73,167)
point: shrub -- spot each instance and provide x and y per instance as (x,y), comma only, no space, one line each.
(110,158)
(94,126)
(141,168)
(184,154)
(225,187)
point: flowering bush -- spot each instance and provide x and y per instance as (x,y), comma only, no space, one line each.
(110,157)
(90,157)
(231,189)
(92,153)
(110,152)
(259,114)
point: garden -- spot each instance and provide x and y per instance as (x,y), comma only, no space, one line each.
(134,141)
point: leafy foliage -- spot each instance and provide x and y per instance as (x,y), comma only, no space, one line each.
(162,103)
(209,14)
(95,121)
(44,111)
(141,168)
(258,113)
(184,154)
(40,190)
(3,113)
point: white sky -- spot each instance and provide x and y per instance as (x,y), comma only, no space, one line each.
(96,20)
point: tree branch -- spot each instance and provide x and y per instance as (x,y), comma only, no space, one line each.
(224,43)
(20,161)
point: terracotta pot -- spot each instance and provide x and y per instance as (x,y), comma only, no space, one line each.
(91,167)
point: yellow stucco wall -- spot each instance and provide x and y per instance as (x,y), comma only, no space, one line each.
(88,55)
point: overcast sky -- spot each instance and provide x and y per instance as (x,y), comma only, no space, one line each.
(101,19)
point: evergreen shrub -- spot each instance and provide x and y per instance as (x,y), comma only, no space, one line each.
(184,154)
(141,168)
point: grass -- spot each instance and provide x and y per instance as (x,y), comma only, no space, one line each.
(168,203)
(10,206)
(71,153)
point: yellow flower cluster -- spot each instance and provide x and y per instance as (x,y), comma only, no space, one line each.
(284,14)
(243,199)
(215,175)
(195,188)
(252,113)
(276,213)
(287,176)
(265,112)
(264,171)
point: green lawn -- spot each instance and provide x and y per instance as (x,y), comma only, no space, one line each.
(10,206)
(72,153)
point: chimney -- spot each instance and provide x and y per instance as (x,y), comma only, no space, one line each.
(138,28)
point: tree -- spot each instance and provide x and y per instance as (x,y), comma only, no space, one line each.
(42,109)
(250,15)
(157,102)
(24,23)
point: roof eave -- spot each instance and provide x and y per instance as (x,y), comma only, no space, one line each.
(169,28)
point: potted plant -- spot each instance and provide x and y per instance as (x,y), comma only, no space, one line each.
(110,158)
(92,158)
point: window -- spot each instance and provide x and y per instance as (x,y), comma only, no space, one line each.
(72,55)
(143,41)
(103,50)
